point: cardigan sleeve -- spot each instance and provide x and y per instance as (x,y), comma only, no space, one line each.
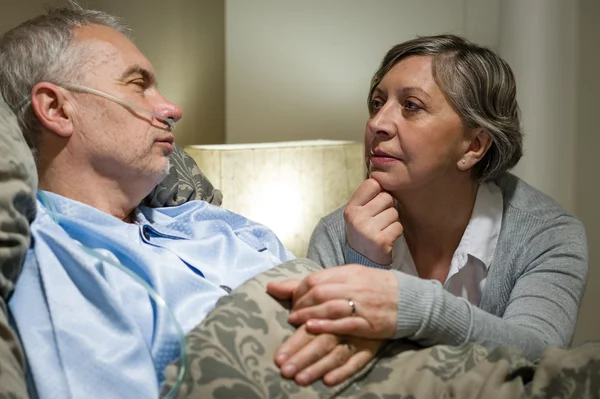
(544,292)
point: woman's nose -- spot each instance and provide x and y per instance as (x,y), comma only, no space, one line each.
(382,122)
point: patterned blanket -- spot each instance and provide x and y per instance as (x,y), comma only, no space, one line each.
(231,356)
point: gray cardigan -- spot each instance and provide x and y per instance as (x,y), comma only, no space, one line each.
(533,289)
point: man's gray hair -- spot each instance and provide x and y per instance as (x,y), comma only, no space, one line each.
(481,88)
(40,50)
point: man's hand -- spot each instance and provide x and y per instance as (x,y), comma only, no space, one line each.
(372,224)
(306,357)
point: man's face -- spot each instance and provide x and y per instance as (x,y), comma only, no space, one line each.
(120,143)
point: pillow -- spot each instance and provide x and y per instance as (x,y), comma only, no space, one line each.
(18,183)
(185,182)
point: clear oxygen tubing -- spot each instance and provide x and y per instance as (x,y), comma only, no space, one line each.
(124,103)
(160,302)
(74,86)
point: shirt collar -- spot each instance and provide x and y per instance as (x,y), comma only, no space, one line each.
(59,207)
(482,232)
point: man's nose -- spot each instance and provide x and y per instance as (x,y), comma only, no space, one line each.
(168,110)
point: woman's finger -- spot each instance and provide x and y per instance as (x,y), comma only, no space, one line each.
(331,309)
(309,354)
(384,219)
(333,360)
(393,231)
(380,203)
(352,326)
(322,293)
(365,193)
(333,275)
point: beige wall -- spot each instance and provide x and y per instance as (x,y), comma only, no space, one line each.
(12,13)
(587,180)
(538,38)
(184,40)
(301,69)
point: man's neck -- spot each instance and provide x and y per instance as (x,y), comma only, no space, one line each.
(103,193)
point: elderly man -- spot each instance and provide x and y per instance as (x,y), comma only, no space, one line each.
(101,133)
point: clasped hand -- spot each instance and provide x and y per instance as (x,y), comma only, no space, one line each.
(332,341)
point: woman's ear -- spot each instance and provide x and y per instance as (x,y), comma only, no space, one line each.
(52,109)
(478,147)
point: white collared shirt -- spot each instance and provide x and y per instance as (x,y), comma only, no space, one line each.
(472,258)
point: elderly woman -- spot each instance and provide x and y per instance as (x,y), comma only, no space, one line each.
(459,249)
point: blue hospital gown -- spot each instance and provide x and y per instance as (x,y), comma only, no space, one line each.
(89,329)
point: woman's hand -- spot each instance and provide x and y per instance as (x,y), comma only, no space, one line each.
(306,357)
(350,300)
(372,224)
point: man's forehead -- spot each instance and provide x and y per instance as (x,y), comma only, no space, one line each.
(111,45)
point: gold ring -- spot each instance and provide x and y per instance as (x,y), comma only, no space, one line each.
(350,347)
(353,307)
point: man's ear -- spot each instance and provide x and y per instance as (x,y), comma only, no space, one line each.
(52,109)
(478,147)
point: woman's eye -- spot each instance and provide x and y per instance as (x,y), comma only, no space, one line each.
(376,105)
(411,106)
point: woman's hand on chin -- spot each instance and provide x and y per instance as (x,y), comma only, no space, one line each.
(372,224)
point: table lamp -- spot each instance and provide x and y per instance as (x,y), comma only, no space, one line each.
(287,186)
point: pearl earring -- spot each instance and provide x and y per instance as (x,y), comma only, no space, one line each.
(464,161)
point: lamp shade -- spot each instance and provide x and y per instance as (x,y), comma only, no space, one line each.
(286,186)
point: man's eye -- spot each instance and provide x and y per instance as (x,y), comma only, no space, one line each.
(140,83)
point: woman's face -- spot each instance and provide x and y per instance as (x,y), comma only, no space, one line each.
(413,137)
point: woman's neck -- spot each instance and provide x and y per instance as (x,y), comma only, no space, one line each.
(434,221)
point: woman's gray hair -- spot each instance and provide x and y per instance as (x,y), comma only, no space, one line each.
(481,88)
(40,50)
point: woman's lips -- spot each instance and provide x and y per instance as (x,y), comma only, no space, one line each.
(382,158)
